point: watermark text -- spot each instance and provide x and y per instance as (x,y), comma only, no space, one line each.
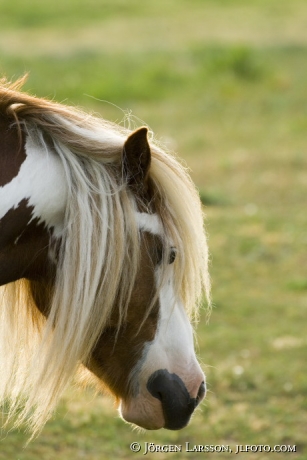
(150,447)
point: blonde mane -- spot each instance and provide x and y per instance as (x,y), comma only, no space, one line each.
(99,253)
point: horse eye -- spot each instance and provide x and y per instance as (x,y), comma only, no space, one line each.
(172,255)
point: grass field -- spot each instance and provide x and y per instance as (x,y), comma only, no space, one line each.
(224,84)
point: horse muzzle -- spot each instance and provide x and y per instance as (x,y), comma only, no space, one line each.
(166,404)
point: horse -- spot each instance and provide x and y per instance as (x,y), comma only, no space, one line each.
(103,265)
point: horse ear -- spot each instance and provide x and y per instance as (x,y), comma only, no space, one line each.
(136,160)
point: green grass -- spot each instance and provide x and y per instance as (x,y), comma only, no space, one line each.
(224,84)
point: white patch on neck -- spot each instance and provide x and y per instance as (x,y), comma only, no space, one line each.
(41,180)
(149,223)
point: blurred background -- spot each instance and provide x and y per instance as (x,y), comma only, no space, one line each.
(223,83)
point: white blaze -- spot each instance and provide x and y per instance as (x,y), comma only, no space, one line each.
(172,348)
(149,223)
(173,345)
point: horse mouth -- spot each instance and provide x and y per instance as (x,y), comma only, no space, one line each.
(138,413)
(154,421)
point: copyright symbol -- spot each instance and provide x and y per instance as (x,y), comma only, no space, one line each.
(135,447)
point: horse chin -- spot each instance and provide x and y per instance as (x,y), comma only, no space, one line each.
(144,413)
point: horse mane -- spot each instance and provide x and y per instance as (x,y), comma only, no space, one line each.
(100,240)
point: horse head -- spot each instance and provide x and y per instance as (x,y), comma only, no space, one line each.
(150,365)
(110,246)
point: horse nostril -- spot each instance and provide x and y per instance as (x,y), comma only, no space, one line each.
(177,404)
(159,395)
(201,393)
